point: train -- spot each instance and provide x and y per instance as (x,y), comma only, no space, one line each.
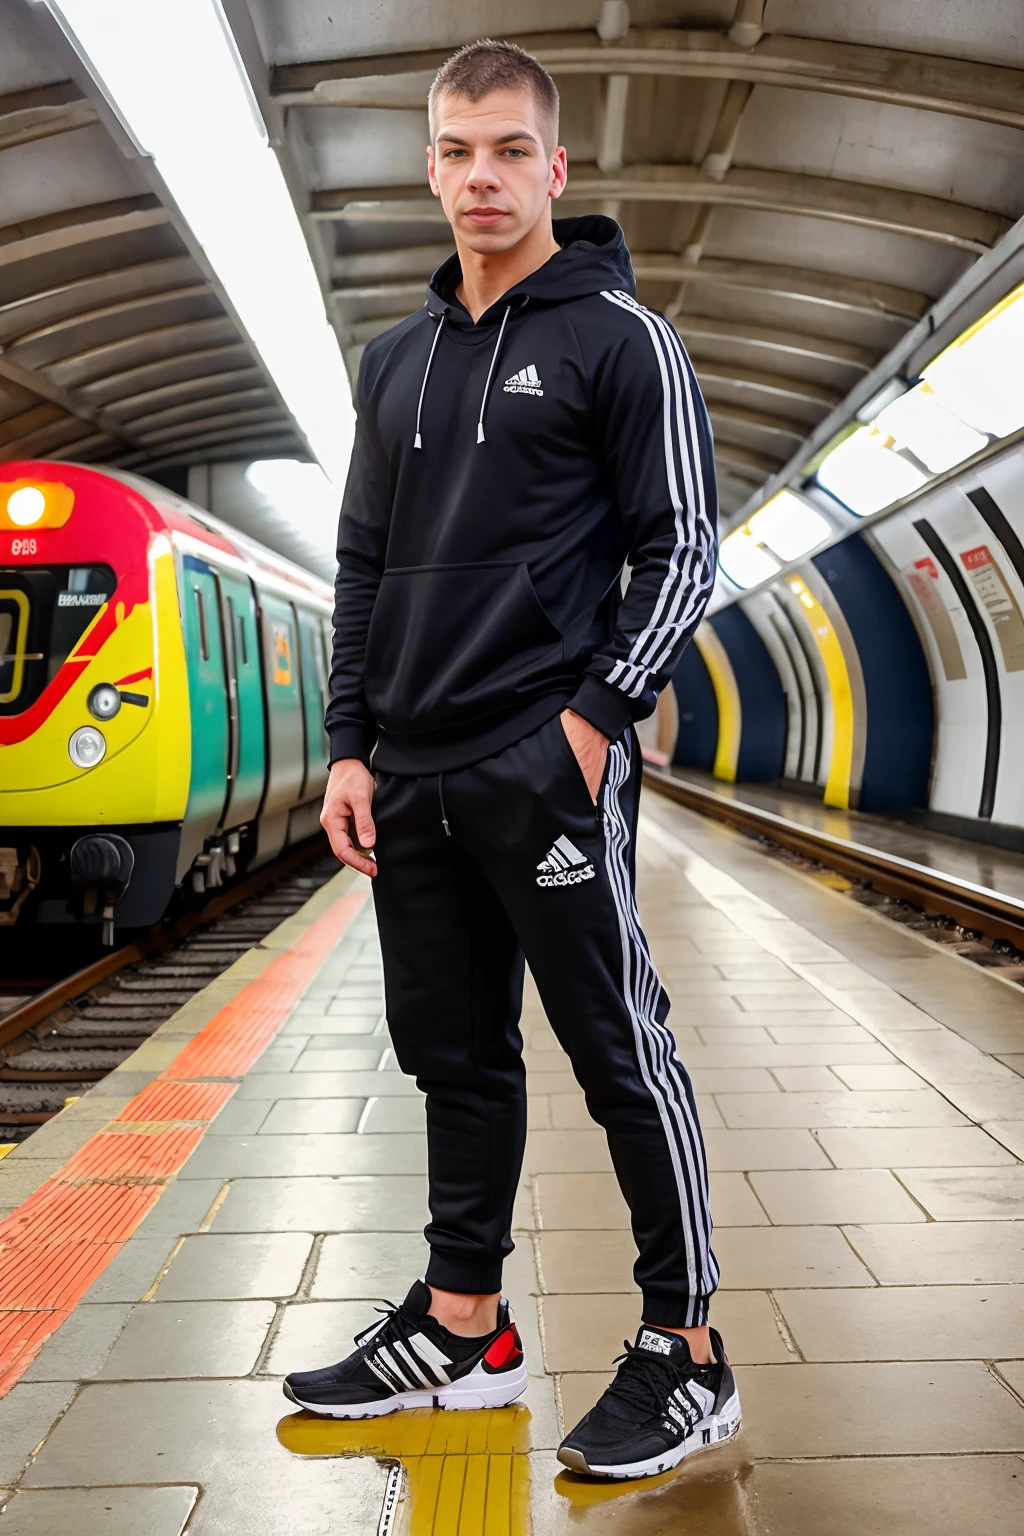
(163,681)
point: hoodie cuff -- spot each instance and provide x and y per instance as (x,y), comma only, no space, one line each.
(352,741)
(605,707)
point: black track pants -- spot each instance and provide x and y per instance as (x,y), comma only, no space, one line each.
(530,867)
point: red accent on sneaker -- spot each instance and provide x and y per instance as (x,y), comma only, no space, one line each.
(505,1346)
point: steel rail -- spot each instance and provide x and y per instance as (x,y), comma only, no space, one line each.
(939,894)
(161,936)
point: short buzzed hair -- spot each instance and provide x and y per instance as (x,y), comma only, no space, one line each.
(488,65)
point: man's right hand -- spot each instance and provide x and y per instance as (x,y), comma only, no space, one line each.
(346,814)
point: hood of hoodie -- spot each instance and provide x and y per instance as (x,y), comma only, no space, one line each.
(593,258)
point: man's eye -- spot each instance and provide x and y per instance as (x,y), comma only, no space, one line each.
(520,153)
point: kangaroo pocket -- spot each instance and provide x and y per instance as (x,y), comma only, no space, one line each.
(453,643)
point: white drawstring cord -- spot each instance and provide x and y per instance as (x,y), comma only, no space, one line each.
(417,441)
(490,373)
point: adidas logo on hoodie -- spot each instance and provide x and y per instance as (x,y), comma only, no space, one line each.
(525,382)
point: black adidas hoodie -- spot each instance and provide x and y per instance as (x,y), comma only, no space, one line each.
(503,474)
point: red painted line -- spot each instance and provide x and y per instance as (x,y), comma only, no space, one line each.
(177,1101)
(63,1237)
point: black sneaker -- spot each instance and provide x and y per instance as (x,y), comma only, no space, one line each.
(660,1408)
(408,1360)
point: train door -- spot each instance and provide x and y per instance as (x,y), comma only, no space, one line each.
(249,747)
(286,744)
(314,688)
(208,704)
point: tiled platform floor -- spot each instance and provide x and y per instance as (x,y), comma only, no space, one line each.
(865,1139)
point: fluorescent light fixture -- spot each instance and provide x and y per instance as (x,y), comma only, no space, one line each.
(303,494)
(932,434)
(171,72)
(744,561)
(789,526)
(866,476)
(980,378)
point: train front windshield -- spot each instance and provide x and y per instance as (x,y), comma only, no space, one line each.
(44,612)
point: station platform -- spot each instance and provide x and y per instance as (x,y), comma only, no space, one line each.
(229,1204)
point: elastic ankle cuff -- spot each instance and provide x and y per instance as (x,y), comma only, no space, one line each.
(455,1275)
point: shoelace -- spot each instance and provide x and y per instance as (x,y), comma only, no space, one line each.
(644,1381)
(396,1327)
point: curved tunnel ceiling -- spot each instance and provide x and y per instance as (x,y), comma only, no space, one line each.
(116,344)
(798,181)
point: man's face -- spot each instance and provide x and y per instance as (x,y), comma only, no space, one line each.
(490,168)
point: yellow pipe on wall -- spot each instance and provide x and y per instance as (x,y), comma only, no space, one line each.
(727,697)
(837,787)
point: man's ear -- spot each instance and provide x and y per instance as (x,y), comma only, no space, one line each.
(430,171)
(559,173)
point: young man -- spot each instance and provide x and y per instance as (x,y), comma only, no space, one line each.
(520,439)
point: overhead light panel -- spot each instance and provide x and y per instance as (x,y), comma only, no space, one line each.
(919,423)
(789,526)
(980,378)
(743,559)
(171,72)
(866,476)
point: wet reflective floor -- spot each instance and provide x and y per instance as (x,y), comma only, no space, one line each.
(865,1131)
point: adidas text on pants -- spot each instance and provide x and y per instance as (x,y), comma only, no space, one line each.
(532,869)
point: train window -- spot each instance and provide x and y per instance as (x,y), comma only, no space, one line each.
(242,638)
(44,612)
(204,633)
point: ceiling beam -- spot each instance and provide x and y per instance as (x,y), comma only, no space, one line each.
(259,417)
(127,384)
(186,389)
(78,293)
(822,349)
(785,192)
(988,93)
(852,294)
(834,291)
(26,116)
(711,375)
(32,238)
(110,312)
(727,416)
(201,406)
(745,464)
(45,389)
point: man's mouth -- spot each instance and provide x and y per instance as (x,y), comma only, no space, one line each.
(484,217)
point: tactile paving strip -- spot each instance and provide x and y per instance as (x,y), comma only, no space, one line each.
(61,1239)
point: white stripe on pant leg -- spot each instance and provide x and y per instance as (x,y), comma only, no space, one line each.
(656,1060)
(672,1069)
(614,840)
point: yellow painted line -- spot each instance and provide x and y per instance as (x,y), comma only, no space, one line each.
(837,787)
(727,697)
(467,1473)
(8,1146)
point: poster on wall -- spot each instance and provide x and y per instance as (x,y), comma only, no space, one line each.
(994,594)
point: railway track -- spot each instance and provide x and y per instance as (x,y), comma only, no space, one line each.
(59,1041)
(981,923)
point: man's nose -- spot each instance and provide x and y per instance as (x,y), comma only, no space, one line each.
(483,173)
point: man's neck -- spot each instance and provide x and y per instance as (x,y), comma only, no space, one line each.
(485,278)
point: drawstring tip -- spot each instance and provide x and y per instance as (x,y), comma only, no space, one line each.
(417,441)
(480,432)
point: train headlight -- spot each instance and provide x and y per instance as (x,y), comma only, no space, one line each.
(87,747)
(104,701)
(26,505)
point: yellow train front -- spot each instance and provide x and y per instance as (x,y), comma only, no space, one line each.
(162,689)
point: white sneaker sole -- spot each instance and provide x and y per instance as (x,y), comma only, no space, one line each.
(714,1430)
(469,1392)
